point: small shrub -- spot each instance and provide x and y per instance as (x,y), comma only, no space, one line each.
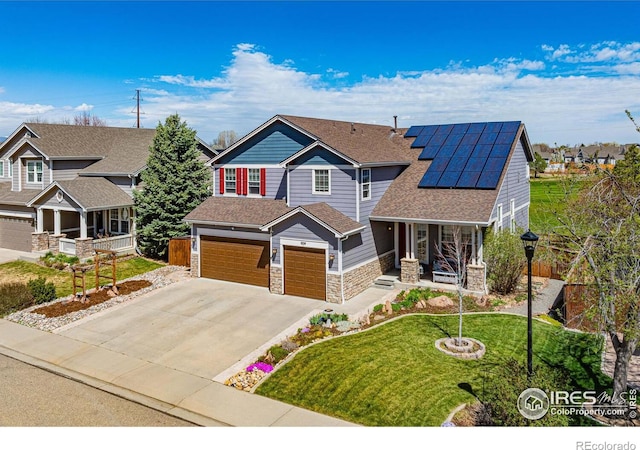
(289,345)
(41,291)
(396,307)
(59,261)
(503,255)
(14,297)
(378,307)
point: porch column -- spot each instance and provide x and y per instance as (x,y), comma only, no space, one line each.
(396,242)
(83,224)
(407,240)
(474,253)
(39,220)
(56,222)
(479,245)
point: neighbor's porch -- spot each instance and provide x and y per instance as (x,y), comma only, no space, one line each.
(78,232)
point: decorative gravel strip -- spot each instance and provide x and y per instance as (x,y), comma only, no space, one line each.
(158,278)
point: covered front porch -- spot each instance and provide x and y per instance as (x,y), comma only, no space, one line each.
(65,224)
(423,247)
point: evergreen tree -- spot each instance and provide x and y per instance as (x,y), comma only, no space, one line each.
(174,183)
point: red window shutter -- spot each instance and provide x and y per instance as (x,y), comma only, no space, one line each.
(245,181)
(263,182)
(238,181)
(221,176)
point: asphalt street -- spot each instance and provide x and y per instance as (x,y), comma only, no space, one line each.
(30,396)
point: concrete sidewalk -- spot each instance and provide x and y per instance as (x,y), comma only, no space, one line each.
(184,395)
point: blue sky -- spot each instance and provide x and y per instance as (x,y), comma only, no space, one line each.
(567,69)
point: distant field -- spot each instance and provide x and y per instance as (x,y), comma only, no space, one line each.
(548,199)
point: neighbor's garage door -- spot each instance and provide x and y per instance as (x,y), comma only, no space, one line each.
(304,272)
(15,233)
(235,260)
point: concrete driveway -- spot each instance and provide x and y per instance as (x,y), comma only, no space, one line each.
(199,326)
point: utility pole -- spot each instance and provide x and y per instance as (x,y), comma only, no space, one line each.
(138,107)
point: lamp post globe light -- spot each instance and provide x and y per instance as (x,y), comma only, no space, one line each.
(529,241)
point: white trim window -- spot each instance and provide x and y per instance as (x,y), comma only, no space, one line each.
(365,184)
(230,181)
(119,221)
(447,238)
(34,171)
(254,181)
(322,181)
(499,221)
(1,169)
(512,219)
(422,240)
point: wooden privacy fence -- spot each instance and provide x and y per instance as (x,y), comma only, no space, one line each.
(578,298)
(556,270)
(180,251)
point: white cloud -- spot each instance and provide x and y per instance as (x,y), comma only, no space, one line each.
(568,107)
(84,107)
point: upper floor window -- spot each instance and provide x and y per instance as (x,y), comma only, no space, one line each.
(1,168)
(230,180)
(254,181)
(321,181)
(365,183)
(34,171)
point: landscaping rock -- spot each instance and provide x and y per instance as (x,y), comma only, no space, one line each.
(387,307)
(441,301)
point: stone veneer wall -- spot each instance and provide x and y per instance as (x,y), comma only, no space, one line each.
(275,280)
(54,242)
(195,269)
(475,278)
(39,241)
(409,270)
(84,248)
(358,279)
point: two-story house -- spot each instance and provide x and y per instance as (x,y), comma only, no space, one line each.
(320,208)
(68,188)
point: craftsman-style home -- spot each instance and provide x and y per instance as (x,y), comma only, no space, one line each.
(320,208)
(68,188)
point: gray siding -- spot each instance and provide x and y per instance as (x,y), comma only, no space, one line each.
(68,170)
(272,145)
(319,156)
(343,190)
(123,183)
(362,247)
(515,185)
(302,228)
(381,179)
(51,200)
(276,187)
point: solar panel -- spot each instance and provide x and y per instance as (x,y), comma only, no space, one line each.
(439,165)
(493,127)
(487,138)
(463,151)
(488,180)
(505,138)
(460,128)
(468,179)
(494,164)
(454,139)
(429,129)
(476,128)
(430,179)
(438,139)
(500,151)
(509,127)
(446,151)
(429,152)
(449,179)
(420,141)
(475,164)
(482,150)
(457,163)
(470,138)
(413,131)
(444,129)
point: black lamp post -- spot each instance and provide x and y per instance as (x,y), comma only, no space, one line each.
(529,240)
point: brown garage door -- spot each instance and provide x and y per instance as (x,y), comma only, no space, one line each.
(304,272)
(235,260)
(15,233)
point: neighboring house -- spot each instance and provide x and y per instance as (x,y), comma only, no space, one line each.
(68,188)
(321,208)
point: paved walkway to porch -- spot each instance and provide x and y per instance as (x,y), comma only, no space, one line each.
(8,255)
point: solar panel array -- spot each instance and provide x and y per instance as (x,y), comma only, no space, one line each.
(465,156)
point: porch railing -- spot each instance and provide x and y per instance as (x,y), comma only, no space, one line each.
(114,242)
(67,246)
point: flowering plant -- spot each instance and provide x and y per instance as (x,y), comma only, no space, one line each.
(305,330)
(260,366)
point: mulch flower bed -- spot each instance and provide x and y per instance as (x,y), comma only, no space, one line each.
(61,308)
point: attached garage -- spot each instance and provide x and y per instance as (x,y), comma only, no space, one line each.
(237,260)
(15,233)
(305,273)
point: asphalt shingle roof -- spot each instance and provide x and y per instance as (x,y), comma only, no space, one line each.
(93,193)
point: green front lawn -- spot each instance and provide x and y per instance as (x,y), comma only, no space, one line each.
(393,375)
(25,271)
(548,200)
